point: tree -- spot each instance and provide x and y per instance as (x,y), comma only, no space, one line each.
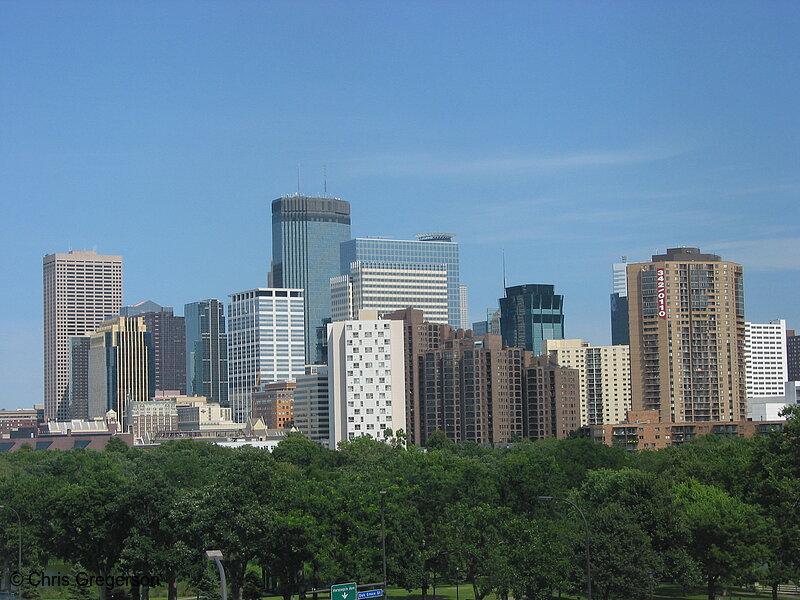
(777,490)
(88,516)
(726,535)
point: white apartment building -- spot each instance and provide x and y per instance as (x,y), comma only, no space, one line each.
(366,370)
(387,287)
(81,290)
(605,377)
(266,342)
(766,368)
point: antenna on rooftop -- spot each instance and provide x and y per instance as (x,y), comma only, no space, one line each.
(298,179)
(324,182)
(504,273)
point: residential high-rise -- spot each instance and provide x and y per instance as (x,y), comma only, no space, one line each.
(386,287)
(765,358)
(619,304)
(793,355)
(551,399)
(530,314)
(419,337)
(430,249)
(266,343)
(206,351)
(471,389)
(120,367)
(604,375)
(686,317)
(81,289)
(169,343)
(367,377)
(306,237)
(311,408)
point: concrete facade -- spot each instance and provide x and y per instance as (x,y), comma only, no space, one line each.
(81,289)
(367,378)
(766,369)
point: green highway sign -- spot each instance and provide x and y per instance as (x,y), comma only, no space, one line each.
(344,591)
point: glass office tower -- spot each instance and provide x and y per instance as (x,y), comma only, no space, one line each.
(529,314)
(206,351)
(306,236)
(428,249)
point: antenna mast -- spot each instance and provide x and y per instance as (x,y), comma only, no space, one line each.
(504,273)
(298,179)
(324,182)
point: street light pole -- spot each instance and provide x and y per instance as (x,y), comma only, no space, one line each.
(383,540)
(216,556)
(19,524)
(586,525)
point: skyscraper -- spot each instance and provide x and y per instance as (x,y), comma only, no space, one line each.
(386,287)
(765,358)
(686,316)
(79,376)
(529,314)
(120,367)
(206,351)
(619,304)
(463,306)
(430,249)
(81,289)
(306,237)
(169,343)
(265,343)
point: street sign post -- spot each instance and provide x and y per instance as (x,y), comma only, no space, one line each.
(344,591)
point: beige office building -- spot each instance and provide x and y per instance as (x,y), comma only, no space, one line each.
(605,380)
(81,289)
(687,332)
(120,367)
(387,287)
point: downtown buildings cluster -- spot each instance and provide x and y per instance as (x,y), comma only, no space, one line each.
(369,336)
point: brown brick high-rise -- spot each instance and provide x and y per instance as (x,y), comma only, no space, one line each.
(686,317)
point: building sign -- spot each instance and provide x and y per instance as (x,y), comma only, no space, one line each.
(661,293)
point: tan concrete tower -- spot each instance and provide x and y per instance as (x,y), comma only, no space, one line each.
(81,289)
(687,333)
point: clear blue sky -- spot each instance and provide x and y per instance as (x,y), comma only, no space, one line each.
(566,133)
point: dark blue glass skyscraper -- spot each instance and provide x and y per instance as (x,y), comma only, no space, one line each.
(206,350)
(428,249)
(306,235)
(529,314)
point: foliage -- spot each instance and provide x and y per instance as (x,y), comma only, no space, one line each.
(716,510)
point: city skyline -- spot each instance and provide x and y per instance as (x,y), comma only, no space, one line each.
(566,134)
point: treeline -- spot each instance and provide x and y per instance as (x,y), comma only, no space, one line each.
(712,512)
